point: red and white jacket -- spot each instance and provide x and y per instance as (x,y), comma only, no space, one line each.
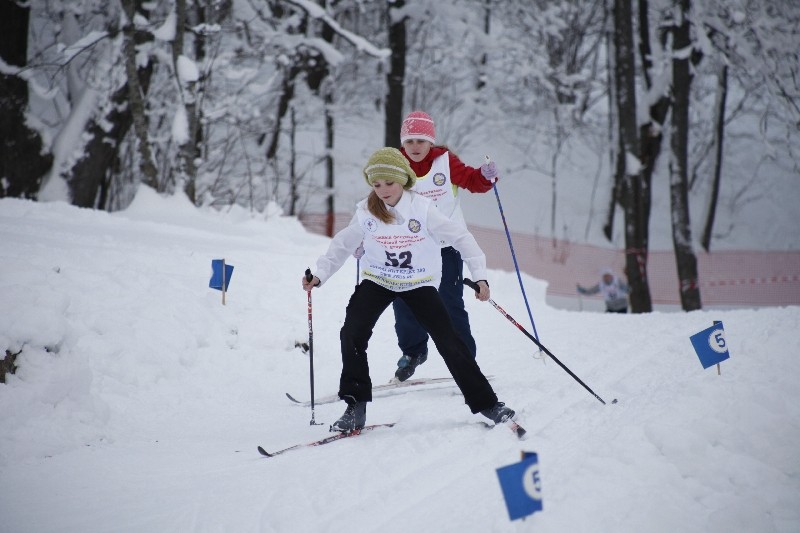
(440,175)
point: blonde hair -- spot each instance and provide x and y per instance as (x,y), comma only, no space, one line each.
(378,209)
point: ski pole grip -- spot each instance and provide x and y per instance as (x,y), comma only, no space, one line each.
(472,285)
(309,277)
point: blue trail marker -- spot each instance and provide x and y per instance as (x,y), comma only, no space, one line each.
(710,345)
(220,276)
(522,486)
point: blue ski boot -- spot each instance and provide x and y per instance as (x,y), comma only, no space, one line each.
(407,364)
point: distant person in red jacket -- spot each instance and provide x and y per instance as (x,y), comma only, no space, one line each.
(440,174)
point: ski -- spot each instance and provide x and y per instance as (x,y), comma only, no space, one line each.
(326,440)
(518,430)
(379,388)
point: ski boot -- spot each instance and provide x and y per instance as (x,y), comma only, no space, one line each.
(499,413)
(407,364)
(353,418)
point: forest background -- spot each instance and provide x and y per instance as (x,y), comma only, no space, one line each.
(676,120)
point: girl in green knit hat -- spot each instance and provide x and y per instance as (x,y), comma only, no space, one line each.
(401,231)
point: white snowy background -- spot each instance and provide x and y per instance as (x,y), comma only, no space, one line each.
(140,399)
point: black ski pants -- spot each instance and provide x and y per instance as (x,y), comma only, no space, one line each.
(367,304)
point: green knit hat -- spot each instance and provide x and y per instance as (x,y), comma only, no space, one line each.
(389,164)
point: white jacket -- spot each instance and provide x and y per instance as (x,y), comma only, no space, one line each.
(438,227)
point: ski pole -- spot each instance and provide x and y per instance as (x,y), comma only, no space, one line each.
(309,277)
(514,257)
(474,286)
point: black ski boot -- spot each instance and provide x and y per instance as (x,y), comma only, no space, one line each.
(353,418)
(499,413)
(407,364)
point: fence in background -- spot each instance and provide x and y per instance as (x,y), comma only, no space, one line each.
(727,278)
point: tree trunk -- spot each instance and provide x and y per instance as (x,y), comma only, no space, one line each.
(327,89)
(190,150)
(487,18)
(23,164)
(396,77)
(554,157)
(650,133)
(635,245)
(294,196)
(88,176)
(136,100)
(722,97)
(679,188)
(616,162)
(329,178)
(287,93)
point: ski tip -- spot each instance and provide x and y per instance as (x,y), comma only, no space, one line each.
(517,429)
(292,398)
(264,452)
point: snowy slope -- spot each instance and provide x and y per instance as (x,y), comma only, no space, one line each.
(140,399)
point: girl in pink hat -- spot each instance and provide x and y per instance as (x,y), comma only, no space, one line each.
(440,174)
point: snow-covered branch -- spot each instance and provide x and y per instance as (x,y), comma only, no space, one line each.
(317,12)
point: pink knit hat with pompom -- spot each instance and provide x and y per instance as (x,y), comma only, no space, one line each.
(418,125)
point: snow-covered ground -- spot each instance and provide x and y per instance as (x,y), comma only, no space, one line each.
(140,399)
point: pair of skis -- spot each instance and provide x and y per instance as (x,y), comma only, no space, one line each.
(518,430)
(392,385)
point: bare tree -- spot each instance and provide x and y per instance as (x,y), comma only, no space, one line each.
(87,177)
(679,176)
(616,162)
(719,121)
(88,174)
(23,163)
(313,59)
(561,49)
(136,95)
(624,81)
(651,132)
(395,78)
(187,90)
(757,44)
(326,90)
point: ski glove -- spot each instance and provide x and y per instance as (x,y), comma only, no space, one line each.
(359,253)
(489,170)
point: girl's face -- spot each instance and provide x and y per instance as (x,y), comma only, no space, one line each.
(417,149)
(388,191)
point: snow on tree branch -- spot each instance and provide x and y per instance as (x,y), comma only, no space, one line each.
(317,12)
